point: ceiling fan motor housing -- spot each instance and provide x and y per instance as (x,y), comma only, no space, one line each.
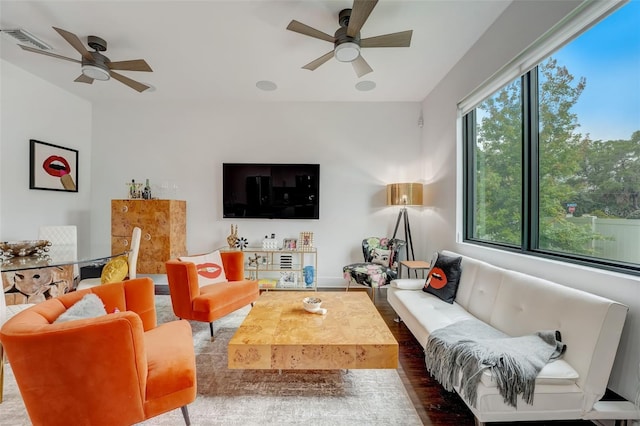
(346,49)
(97,68)
(343,17)
(97,43)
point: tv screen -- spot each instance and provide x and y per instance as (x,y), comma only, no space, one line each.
(270,191)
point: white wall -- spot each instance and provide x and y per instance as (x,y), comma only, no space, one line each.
(521,24)
(360,148)
(34,109)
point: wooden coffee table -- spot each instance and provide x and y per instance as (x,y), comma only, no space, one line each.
(279,334)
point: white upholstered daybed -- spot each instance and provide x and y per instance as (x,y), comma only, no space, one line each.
(520,304)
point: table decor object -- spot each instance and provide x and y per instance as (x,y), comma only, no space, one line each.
(24,248)
(311,303)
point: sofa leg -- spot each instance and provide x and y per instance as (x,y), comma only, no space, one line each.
(211,330)
(478,422)
(397,319)
(185,414)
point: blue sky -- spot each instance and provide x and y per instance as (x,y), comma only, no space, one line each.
(608,56)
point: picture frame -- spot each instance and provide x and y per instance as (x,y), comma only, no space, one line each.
(288,280)
(52,167)
(306,241)
(289,244)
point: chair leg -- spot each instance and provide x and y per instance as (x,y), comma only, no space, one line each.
(1,372)
(185,414)
(373,295)
(211,330)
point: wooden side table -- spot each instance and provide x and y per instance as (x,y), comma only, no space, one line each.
(416,265)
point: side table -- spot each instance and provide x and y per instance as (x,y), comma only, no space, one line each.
(416,265)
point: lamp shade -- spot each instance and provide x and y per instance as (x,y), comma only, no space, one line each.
(404,194)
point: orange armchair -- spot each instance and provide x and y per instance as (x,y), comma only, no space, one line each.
(115,369)
(210,302)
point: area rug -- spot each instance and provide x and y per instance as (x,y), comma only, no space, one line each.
(260,397)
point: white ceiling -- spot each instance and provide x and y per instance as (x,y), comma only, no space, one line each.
(217,50)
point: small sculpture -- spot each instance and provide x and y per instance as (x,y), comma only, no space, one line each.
(233,237)
(254,261)
(241,243)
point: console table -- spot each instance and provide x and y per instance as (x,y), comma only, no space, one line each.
(282,269)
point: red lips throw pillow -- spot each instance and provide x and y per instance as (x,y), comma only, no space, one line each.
(209,267)
(443,277)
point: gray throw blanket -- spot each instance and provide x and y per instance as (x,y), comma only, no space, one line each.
(466,348)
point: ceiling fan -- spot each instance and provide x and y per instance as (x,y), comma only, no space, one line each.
(96,66)
(347,41)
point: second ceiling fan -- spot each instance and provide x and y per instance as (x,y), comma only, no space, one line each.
(94,65)
(346,40)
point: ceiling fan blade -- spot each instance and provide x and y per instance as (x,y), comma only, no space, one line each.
(401,39)
(74,41)
(129,82)
(321,60)
(301,28)
(84,79)
(360,66)
(132,65)
(359,13)
(43,52)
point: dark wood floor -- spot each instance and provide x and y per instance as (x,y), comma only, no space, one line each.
(435,405)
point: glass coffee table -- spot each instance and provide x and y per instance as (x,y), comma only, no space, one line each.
(279,334)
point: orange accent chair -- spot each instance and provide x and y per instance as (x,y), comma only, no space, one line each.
(210,302)
(115,369)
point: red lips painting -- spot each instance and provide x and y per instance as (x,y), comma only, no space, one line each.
(59,167)
(53,167)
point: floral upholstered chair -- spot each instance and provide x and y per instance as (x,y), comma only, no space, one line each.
(380,266)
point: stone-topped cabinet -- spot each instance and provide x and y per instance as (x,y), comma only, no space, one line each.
(164,230)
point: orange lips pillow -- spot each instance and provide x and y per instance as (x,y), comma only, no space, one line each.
(209,267)
(443,277)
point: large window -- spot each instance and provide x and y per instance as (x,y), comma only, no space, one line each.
(552,159)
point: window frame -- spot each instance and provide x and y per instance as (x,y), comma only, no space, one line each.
(529,241)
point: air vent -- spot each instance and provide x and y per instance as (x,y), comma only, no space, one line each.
(24,36)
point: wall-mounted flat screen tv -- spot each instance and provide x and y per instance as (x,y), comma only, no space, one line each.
(271,191)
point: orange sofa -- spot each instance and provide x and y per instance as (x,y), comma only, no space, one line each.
(115,369)
(210,302)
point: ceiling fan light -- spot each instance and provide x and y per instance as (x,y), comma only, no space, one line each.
(95,72)
(347,52)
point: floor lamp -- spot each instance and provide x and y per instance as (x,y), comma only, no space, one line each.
(404,194)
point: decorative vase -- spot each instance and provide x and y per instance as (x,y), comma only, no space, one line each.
(308,273)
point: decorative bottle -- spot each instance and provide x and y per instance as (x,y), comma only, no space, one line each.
(146,192)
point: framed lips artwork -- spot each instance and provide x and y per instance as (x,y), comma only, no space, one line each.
(53,167)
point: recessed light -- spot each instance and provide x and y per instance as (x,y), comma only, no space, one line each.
(266,85)
(365,86)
